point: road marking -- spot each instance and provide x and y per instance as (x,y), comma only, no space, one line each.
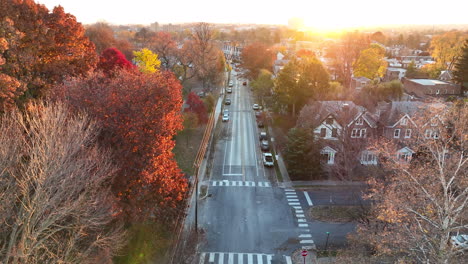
(297,207)
(293,200)
(212,256)
(232,174)
(240,258)
(291,196)
(306,241)
(301,220)
(259,259)
(269,257)
(288,260)
(303,225)
(221,258)
(309,201)
(249,259)
(300,215)
(202,258)
(305,235)
(231,258)
(226,183)
(294,203)
(299,212)
(260,184)
(290,190)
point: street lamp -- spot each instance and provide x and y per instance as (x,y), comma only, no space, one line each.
(326,243)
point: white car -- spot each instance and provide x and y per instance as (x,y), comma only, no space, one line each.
(229,90)
(459,241)
(225,117)
(256,107)
(231,84)
(268,160)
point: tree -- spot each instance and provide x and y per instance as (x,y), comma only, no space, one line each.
(300,81)
(147,61)
(190,123)
(446,48)
(56,203)
(197,106)
(371,63)
(461,67)
(184,68)
(112,59)
(419,205)
(140,114)
(102,35)
(302,155)
(379,37)
(255,57)
(42,48)
(263,85)
(164,45)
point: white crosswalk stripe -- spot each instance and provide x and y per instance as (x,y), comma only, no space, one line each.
(240,184)
(235,258)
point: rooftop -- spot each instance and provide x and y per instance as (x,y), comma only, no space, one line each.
(427,81)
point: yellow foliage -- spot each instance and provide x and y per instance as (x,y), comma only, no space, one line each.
(147,61)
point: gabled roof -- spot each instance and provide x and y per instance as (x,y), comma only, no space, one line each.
(315,113)
(396,110)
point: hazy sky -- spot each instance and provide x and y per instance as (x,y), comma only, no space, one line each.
(320,14)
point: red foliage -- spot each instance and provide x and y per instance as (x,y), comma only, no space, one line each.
(112,59)
(197,106)
(255,57)
(305,53)
(140,115)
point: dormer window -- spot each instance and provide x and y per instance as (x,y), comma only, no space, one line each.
(359,121)
(433,122)
(404,122)
(329,121)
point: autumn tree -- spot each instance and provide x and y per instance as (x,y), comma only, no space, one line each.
(112,59)
(206,57)
(103,37)
(165,46)
(184,68)
(56,203)
(197,106)
(40,48)
(140,114)
(300,81)
(420,204)
(446,48)
(371,63)
(255,57)
(146,60)
(461,67)
(345,53)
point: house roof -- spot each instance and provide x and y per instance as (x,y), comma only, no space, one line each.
(313,114)
(427,81)
(396,110)
(361,79)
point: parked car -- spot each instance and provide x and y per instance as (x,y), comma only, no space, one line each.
(231,83)
(226,111)
(225,117)
(256,107)
(229,90)
(227,101)
(264,145)
(260,124)
(268,160)
(244,83)
(459,241)
(263,136)
(201,94)
(258,114)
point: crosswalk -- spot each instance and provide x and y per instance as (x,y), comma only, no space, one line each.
(226,183)
(235,258)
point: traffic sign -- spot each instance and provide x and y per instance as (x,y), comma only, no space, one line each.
(304,253)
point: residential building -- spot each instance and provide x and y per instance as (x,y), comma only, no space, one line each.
(357,83)
(429,87)
(394,74)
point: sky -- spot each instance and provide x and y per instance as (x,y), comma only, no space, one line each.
(324,14)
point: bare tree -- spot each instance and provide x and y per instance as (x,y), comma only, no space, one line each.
(55,202)
(422,203)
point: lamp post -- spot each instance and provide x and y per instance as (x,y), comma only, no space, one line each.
(326,243)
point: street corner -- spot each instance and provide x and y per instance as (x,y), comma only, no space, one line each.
(307,255)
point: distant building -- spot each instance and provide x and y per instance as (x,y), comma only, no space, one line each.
(446,76)
(357,83)
(394,74)
(428,87)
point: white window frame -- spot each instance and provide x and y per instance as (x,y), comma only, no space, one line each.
(359,121)
(408,133)
(395,134)
(368,158)
(428,133)
(363,133)
(404,121)
(436,134)
(354,132)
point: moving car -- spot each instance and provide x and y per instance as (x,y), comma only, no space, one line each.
(225,117)
(264,145)
(229,90)
(256,107)
(268,160)
(227,101)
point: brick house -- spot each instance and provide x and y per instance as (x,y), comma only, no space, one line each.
(428,87)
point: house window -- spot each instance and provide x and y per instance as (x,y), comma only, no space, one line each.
(323,132)
(354,132)
(363,132)
(407,133)
(405,156)
(428,133)
(328,158)
(396,133)
(435,134)
(433,122)
(334,132)
(368,158)
(330,121)
(404,122)
(359,121)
